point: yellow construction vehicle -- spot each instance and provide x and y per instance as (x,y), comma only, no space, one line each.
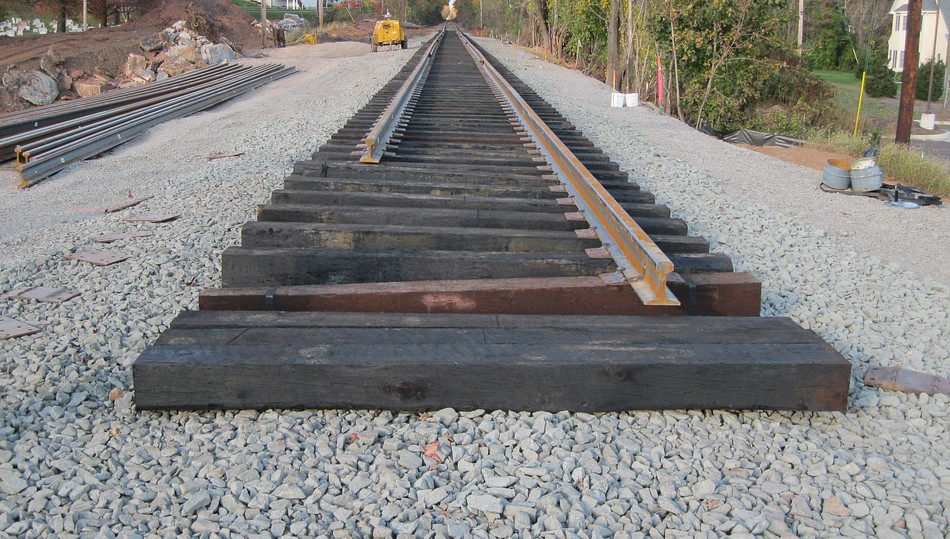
(309,38)
(388,32)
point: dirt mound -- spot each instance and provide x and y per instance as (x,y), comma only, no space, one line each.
(106,49)
(229,21)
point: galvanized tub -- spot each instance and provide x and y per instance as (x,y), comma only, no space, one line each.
(837,174)
(868,179)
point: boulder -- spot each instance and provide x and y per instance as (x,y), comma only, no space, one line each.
(150,46)
(188,53)
(87,88)
(52,63)
(143,74)
(217,54)
(135,62)
(38,88)
(175,65)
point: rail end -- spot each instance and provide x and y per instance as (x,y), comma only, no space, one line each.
(368,154)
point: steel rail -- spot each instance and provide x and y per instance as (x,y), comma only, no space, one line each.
(385,126)
(54,161)
(19,121)
(118,94)
(26,151)
(8,145)
(638,258)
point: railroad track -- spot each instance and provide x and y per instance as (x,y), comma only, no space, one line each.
(459,243)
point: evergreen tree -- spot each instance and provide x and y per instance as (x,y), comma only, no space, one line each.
(923,80)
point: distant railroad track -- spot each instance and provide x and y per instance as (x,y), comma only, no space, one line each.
(459,243)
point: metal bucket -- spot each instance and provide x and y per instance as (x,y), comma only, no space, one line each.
(869,179)
(837,174)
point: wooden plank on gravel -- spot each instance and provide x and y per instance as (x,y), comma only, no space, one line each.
(440,188)
(520,370)
(507,329)
(302,213)
(282,267)
(415,200)
(713,294)
(369,236)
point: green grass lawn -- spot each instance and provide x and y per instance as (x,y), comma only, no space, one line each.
(847,90)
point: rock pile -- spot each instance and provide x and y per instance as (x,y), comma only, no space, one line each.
(176,50)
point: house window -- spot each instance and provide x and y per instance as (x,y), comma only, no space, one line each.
(902,59)
(904,23)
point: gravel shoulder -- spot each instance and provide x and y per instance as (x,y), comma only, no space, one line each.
(77,459)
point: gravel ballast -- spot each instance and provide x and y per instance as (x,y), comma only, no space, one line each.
(76,459)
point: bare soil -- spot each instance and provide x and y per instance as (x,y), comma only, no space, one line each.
(104,50)
(806,157)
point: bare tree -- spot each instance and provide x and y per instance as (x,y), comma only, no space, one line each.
(867,18)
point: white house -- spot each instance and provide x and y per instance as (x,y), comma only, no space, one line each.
(935,12)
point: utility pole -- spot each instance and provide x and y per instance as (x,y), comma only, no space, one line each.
(84,25)
(905,111)
(263,24)
(320,9)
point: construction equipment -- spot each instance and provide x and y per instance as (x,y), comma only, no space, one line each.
(388,32)
(309,38)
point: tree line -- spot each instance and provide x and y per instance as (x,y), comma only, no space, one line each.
(723,63)
(99,12)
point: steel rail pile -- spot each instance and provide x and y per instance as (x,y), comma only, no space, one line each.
(50,147)
(22,121)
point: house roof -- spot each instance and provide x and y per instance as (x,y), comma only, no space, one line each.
(929,6)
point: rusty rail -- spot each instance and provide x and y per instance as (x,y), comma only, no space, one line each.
(644,266)
(385,126)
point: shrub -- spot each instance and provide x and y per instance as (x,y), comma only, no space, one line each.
(880,78)
(923,80)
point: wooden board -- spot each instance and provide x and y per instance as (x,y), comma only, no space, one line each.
(241,266)
(414,362)
(710,294)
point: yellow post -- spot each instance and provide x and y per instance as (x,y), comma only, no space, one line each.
(860,102)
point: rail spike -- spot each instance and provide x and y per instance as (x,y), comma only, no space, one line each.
(642,263)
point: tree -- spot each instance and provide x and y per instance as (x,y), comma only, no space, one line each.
(869,20)
(880,79)
(828,44)
(723,52)
(923,80)
(540,12)
(613,43)
(61,9)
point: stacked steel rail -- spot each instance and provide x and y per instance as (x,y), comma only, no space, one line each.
(47,139)
(474,266)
